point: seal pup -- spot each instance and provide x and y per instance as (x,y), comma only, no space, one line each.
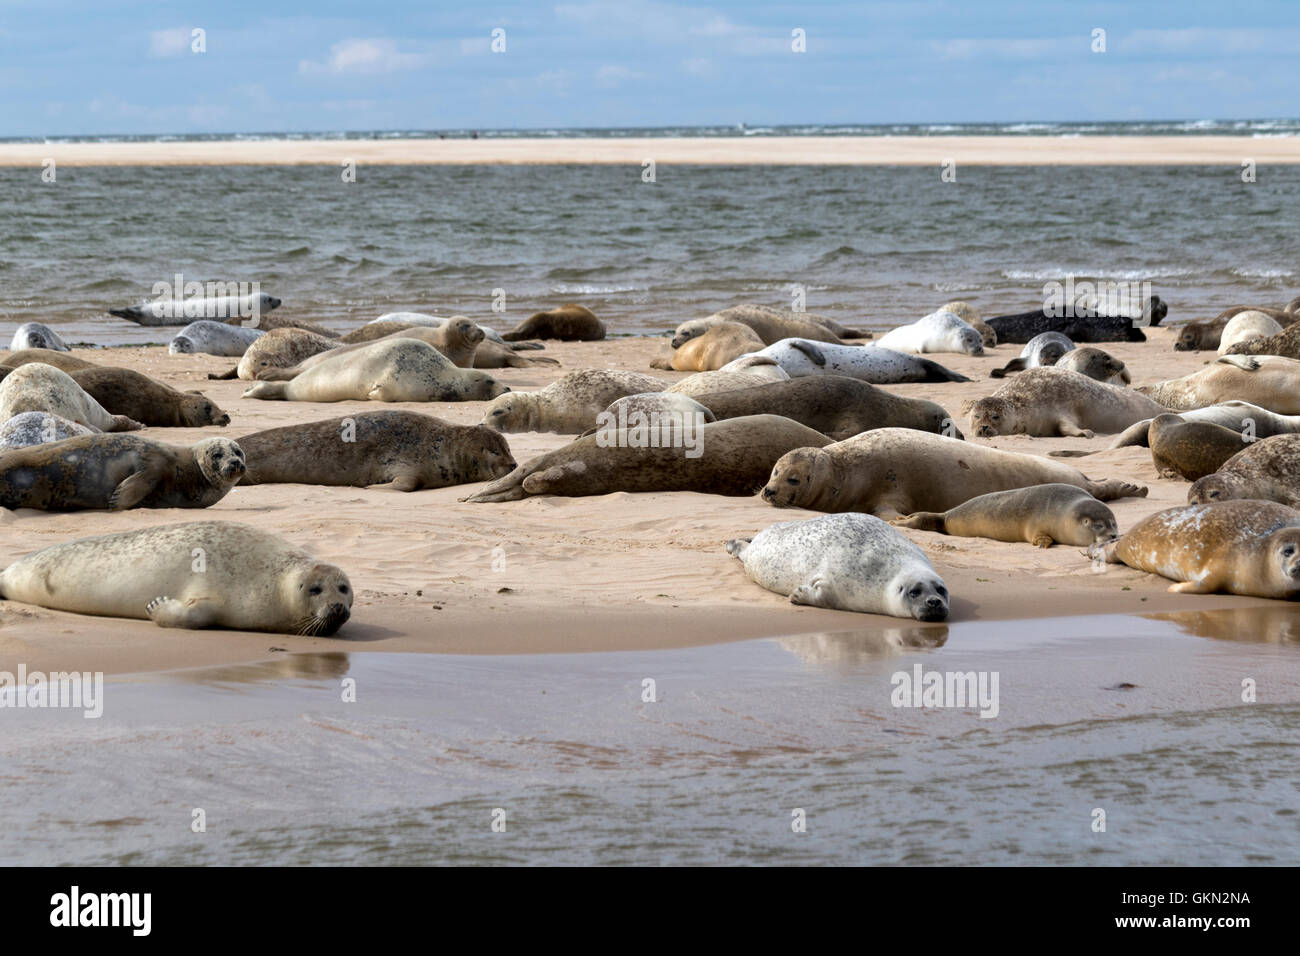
(846,562)
(936,332)
(1241,547)
(457,341)
(891,472)
(60,360)
(251,580)
(38,428)
(879,366)
(213,338)
(1285,343)
(722,458)
(124,391)
(43,388)
(712,350)
(1251,324)
(183,311)
(570,404)
(1270,381)
(1189,449)
(757,371)
(1268,470)
(279,348)
(833,405)
(1043,515)
(1085,325)
(1200,336)
(568,323)
(967,313)
(119,472)
(1043,350)
(770,325)
(1096,364)
(33,335)
(1057,401)
(411,450)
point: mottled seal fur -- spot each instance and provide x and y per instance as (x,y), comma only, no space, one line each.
(213,338)
(1096,364)
(1245,326)
(1042,351)
(758,372)
(570,404)
(715,348)
(458,341)
(119,472)
(38,428)
(1268,469)
(279,348)
(411,450)
(1043,515)
(847,562)
(1269,381)
(1057,401)
(1285,343)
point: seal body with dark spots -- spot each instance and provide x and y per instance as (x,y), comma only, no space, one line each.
(1285,343)
(458,341)
(1269,381)
(1057,401)
(35,387)
(1043,350)
(38,428)
(1096,364)
(712,350)
(722,458)
(1241,547)
(213,338)
(1268,469)
(249,580)
(185,311)
(394,370)
(846,562)
(33,335)
(1043,515)
(60,360)
(1085,325)
(890,472)
(879,366)
(1245,326)
(124,391)
(833,405)
(1190,449)
(936,332)
(568,323)
(279,348)
(411,450)
(652,407)
(770,325)
(570,404)
(119,472)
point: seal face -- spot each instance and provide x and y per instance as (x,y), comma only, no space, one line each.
(1044,349)
(1057,401)
(1241,547)
(33,335)
(848,562)
(1043,515)
(1096,364)
(968,314)
(1268,469)
(194,575)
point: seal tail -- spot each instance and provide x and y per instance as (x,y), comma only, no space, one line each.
(736,546)
(525,346)
(938,373)
(856,334)
(508,488)
(133,313)
(922,521)
(233,373)
(1070,454)
(1015,365)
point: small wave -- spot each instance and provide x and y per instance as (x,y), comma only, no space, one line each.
(571,288)
(1089,275)
(1256,273)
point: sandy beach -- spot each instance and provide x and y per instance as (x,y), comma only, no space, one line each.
(737,151)
(614,572)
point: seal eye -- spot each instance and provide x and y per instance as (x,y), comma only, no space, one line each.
(315,590)
(940,590)
(792,481)
(1288,551)
(216,456)
(915,592)
(343,589)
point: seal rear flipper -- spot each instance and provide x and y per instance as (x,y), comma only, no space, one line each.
(922,521)
(1108,489)
(1247,363)
(132,313)
(508,488)
(938,373)
(856,334)
(809,349)
(268,391)
(169,612)
(1070,454)
(233,373)
(525,346)
(1015,365)
(736,546)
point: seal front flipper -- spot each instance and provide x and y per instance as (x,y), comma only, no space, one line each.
(169,612)
(817,356)
(938,373)
(133,490)
(736,546)
(812,594)
(1192,587)
(922,521)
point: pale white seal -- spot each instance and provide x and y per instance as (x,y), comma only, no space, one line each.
(937,332)
(33,335)
(43,388)
(879,366)
(213,338)
(38,428)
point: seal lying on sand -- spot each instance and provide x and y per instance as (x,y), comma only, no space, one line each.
(1250,421)
(1285,343)
(1085,325)
(249,580)
(1096,364)
(1268,469)
(967,313)
(1043,515)
(1242,547)
(42,388)
(570,404)
(1190,450)
(936,332)
(1244,326)
(568,323)
(33,335)
(879,366)
(848,562)
(712,350)
(279,348)
(770,325)
(126,392)
(411,450)
(1042,351)
(1056,401)
(213,338)
(1270,381)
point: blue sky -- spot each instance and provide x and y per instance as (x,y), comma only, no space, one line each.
(127,67)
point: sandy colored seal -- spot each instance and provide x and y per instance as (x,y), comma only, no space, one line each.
(890,472)
(60,360)
(848,562)
(248,580)
(395,370)
(715,348)
(1285,343)
(722,458)
(833,405)
(457,341)
(1200,336)
(184,311)
(1269,381)
(879,366)
(1242,547)
(770,325)
(1043,515)
(408,320)
(411,450)
(38,428)
(126,392)
(43,388)
(936,332)
(119,472)
(1042,351)
(1268,469)
(1057,401)
(490,354)
(570,404)
(968,314)
(1190,450)
(758,372)
(1096,364)
(1251,324)
(279,348)
(33,335)
(568,323)
(213,338)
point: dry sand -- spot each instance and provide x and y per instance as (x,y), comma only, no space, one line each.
(768,150)
(620,571)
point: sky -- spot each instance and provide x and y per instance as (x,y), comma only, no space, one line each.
(128,67)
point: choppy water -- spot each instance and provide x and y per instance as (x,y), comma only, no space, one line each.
(1142,718)
(874,246)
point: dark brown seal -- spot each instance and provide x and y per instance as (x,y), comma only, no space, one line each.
(1190,450)
(569,323)
(126,392)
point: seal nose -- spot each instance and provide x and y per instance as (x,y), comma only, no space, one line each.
(985,431)
(769,493)
(934,603)
(223,421)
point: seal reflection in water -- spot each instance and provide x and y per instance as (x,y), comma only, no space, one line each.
(195,575)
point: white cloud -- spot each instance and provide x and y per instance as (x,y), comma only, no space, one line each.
(609,76)
(366,55)
(168,43)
